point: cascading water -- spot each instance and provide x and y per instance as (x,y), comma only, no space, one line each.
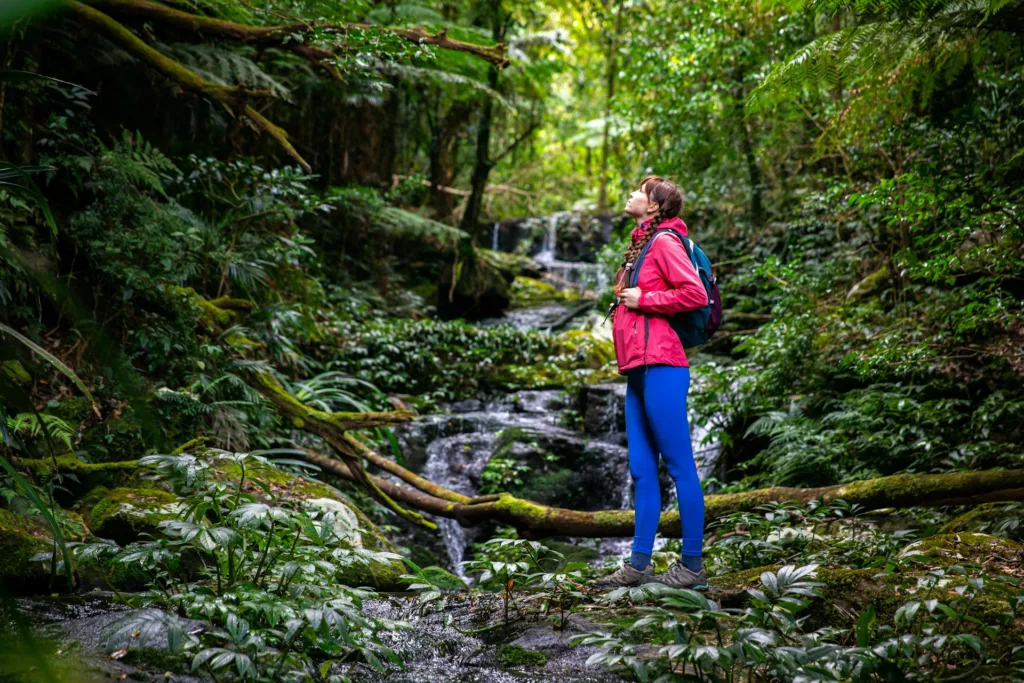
(567,274)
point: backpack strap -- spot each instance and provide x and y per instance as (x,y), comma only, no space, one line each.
(634,277)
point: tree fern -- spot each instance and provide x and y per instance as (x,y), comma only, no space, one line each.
(891,39)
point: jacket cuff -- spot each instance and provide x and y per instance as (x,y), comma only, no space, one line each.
(640,301)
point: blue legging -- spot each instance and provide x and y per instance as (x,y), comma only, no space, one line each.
(656,423)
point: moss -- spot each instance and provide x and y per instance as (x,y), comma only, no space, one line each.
(211,316)
(444,579)
(964,547)
(124,513)
(14,370)
(88,474)
(595,353)
(515,656)
(528,292)
(983,517)
(22,537)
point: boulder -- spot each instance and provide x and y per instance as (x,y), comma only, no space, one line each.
(122,514)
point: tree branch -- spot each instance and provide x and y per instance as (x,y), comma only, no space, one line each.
(283,35)
(234,99)
(515,143)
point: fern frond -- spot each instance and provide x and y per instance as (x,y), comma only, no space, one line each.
(142,163)
(222,66)
(892,37)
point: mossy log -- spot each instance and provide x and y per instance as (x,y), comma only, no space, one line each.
(902,490)
(907,490)
(332,428)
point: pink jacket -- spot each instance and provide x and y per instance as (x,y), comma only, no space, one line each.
(668,284)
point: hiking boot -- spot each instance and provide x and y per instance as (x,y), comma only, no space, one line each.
(626,576)
(679,576)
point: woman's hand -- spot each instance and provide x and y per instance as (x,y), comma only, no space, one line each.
(631,297)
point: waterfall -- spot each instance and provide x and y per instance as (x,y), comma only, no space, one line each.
(494,236)
(546,255)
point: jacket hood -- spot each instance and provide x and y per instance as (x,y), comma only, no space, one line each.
(676,224)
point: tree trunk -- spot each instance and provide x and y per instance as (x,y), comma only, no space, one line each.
(606,143)
(483,164)
(747,145)
(898,491)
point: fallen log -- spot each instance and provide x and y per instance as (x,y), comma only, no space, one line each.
(897,491)
(901,490)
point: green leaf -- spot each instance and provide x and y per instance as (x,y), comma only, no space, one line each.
(55,362)
(864,623)
(47,515)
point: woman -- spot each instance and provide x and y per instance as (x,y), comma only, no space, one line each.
(651,356)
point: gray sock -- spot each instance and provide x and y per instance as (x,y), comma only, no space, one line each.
(693,562)
(639,561)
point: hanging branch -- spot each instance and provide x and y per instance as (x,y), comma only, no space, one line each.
(235,99)
(285,36)
(331,427)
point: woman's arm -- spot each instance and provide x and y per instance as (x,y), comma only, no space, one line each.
(686,291)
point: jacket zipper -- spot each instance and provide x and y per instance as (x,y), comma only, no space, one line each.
(647,337)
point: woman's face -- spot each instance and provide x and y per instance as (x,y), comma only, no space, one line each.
(638,205)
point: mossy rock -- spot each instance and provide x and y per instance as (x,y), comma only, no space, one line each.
(24,536)
(987,517)
(964,547)
(481,290)
(377,575)
(214,314)
(593,352)
(121,514)
(515,656)
(528,292)
(444,579)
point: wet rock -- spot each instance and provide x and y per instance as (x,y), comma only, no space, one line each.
(467,641)
(603,407)
(79,628)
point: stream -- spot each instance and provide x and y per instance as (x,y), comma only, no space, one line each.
(576,442)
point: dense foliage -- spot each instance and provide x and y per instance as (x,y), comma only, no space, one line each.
(193,193)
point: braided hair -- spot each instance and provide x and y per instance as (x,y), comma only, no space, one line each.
(669,200)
